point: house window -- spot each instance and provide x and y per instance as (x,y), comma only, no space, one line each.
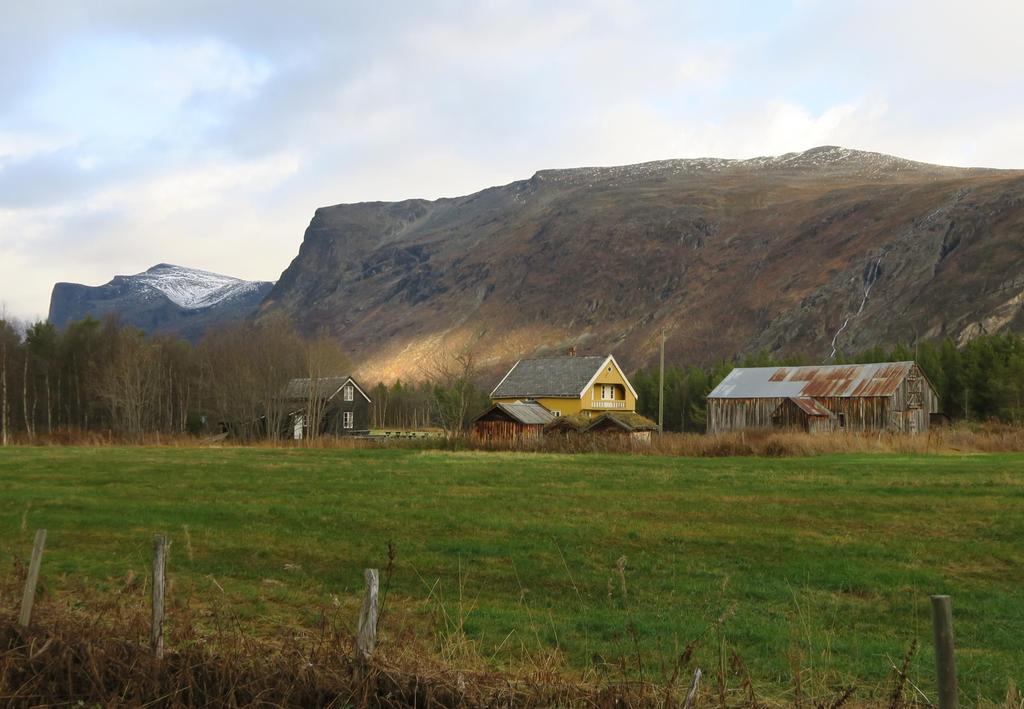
(349,392)
(607,392)
(556,413)
(842,420)
(347,419)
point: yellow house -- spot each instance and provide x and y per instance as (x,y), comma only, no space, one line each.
(568,385)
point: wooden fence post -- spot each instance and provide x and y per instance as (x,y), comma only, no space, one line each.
(692,693)
(945,661)
(29,597)
(366,638)
(159,580)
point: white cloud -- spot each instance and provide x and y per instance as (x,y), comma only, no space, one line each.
(16,146)
(201,187)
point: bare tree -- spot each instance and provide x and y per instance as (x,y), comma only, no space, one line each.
(324,360)
(381,402)
(452,379)
(24,398)
(244,371)
(131,380)
(278,357)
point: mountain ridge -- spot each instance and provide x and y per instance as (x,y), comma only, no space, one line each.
(729,256)
(163,298)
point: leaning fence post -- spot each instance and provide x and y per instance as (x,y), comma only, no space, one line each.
(159,565)
(366,638)
(945,661)
(29,596)
(692,693)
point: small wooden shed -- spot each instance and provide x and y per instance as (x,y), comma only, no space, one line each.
(628,424)
(516,422)
(804,413)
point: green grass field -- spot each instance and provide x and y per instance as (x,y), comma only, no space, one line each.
(822,563)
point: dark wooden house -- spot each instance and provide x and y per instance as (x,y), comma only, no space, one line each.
(887,396)
(340,404)
(513,422)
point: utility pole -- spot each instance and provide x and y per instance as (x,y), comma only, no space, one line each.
(661,386)
(3,384)
(3,375)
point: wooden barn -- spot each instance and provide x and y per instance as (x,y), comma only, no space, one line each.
(512,422)
(887,396)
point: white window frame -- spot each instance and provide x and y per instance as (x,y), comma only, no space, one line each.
(607,392)
(556,412)
(347,420)
(348,393)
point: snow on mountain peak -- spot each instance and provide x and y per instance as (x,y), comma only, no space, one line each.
(193,289)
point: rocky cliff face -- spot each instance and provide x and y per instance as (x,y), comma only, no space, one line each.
(831,250)
(165,298)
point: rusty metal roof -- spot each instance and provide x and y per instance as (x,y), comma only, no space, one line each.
(810,406)
(841,380)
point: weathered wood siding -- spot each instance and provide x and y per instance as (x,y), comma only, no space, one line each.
(334,416)
(737,414)
(504,431)
(789,415)
(853,414)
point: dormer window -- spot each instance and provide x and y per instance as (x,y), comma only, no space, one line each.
(348,393)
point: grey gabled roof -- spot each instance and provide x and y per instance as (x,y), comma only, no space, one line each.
(557,377)
(525,412)
(322,388)
(841,380)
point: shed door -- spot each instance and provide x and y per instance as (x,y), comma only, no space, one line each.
(911,419)
(300,421)
(914,389)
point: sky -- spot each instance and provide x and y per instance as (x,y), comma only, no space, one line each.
(206,133)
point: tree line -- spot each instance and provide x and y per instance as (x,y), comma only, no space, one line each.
(105,376)
(981,381)
(101,375)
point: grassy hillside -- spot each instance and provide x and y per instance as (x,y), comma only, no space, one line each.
(816,566)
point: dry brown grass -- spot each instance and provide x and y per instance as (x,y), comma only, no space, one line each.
(988,438)
(95,654)
(99,658)
(958,439)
